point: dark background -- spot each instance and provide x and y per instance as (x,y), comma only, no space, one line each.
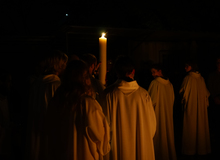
(28,27)
(44,17)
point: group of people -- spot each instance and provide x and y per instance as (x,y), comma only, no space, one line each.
(72,115)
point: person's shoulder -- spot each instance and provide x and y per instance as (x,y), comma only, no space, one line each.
(111,88)
(89,98)
(51,79)
(143,91)
(92,103)
(155,81)
(188,76)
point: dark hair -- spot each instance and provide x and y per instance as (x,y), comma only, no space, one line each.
(156,66)
(74,85)
(55,61)
(89,58)
(162,67)
(193,64)
(123,65)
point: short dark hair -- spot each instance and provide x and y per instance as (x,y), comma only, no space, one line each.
(157,66)
(162,67)
(123,65)
(193,64)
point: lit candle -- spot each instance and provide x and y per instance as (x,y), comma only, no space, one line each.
(103,58)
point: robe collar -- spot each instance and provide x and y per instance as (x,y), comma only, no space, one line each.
(194,74)
(162,80)
(133,85)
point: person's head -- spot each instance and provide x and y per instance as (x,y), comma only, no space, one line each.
(156,70)
(75,84)
(91,60)
(124,67)
(54,63)
(76,74)
(191,65)
(73,57)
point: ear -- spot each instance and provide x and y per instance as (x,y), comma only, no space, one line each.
(133,71)
(160,72)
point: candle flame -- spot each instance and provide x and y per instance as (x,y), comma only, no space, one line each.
(103,35)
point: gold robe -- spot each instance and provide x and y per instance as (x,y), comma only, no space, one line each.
(162,95)
(41,92)
(195,138)
(132,121)
(77,135)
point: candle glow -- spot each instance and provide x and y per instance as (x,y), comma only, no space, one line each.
(103,35)
(103,58)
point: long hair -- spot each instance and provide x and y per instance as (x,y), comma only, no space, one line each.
(75,84)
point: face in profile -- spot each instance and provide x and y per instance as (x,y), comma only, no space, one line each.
(188,68)
(155,72)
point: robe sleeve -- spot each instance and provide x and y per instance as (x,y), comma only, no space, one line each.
(98,131)
(153,92)
(185,90)
(50,90)
(206,92)
(152,116)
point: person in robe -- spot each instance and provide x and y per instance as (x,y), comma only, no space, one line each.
(77,128)
(97,86)
(41,92)
(162,96)
(195,136)
(131,116)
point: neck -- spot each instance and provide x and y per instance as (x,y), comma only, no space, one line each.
(128,79)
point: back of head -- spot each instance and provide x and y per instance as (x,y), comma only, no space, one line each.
(75,73)
(75,84)
(156,66)
(123,66)
(160,67)
(89,58)
(193,64)
(54,62)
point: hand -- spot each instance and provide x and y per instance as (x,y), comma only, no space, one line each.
(97,66)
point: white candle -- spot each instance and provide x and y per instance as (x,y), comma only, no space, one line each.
(103,58)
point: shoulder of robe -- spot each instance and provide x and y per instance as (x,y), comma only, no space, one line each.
(144,92)
(155,81)
(93,104)
(110,89)
(187,77)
